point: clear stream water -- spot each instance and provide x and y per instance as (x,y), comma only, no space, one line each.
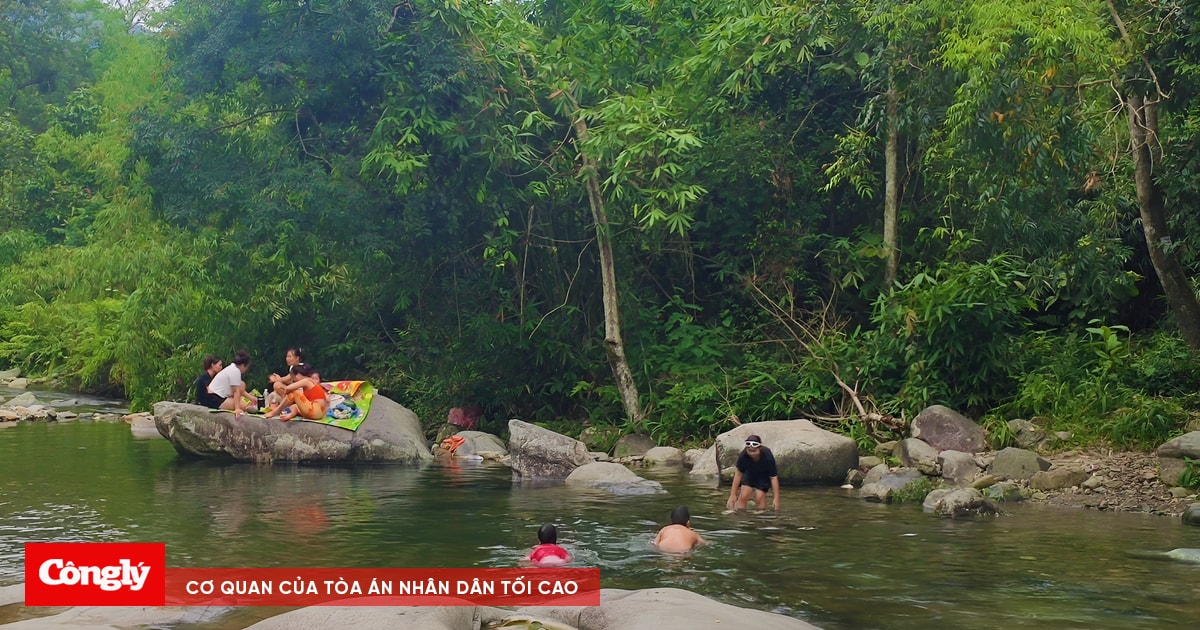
(830,559)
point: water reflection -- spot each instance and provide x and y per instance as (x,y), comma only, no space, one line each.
(827,558)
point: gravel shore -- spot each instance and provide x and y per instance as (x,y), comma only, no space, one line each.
(1129,483)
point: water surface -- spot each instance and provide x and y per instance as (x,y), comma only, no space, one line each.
(829,559)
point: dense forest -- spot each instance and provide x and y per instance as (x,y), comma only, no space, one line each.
(667,215)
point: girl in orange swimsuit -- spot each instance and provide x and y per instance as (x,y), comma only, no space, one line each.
(303,397)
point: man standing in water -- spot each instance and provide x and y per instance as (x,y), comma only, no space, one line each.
(755,473)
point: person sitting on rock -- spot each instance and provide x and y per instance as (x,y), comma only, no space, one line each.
(212,366)
(304,397)
(755,473)
(294,357)
(678,537)
(548,553)
(228,384)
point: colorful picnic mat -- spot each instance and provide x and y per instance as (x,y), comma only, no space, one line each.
(349,403)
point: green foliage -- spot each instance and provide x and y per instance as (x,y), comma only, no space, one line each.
(999,434)
(405,188)
(915,491)
(947,335)
(1190,477)
(1104,386)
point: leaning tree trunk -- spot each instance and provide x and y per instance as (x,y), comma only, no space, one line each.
(891,196)
(1147,153)
(614,344)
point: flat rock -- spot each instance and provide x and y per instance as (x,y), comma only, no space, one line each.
(390,433)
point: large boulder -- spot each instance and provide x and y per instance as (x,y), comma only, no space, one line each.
(479,442)
(1018,463)
(1171,456)
(537,454)
(664,455)
(1191,515)
(914,453)
(390,433)
(947,430)
(706,463)
(958,468)
(613,478)
(804,452)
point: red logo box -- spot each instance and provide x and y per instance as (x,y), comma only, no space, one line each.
(95,574)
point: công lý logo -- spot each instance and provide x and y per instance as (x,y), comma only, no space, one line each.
(95,574)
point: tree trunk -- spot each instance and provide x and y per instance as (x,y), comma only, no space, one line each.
(891,195)
(1147,153)
(614,344)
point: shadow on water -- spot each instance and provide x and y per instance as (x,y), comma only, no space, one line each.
(828,558)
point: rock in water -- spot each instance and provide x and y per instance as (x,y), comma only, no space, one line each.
(390,433)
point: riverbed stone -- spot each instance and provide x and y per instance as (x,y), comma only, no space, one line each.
(390,433)
(1191,515)
(1004,491)
(18,383)
(876,473)
(1058,478)
(915,453)
(1018,463)
(12,594)
(959,502)
(692,456)
(1171,453)
(632,445)
(537,454)
(958,468)
(141,426)
(947,430)
(664,455)
(889,484)
(706,464)
(614,478)
(867,462)
(480,442)
(1027,434)
(24,399)
(804,453)
(8,375)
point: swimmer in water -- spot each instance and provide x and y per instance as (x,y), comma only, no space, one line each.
(678,537)
(548,553)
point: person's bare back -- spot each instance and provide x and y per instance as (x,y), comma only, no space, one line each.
(677,539)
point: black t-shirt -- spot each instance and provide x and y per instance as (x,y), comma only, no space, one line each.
(294,371)
(205,397)
(757,474)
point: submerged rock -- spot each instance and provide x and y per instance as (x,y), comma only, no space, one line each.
(390,433)
(614,478)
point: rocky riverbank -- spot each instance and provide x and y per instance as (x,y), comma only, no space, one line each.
(1122,481)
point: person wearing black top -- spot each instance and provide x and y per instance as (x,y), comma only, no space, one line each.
(212,365)
(755,473)
(279,382)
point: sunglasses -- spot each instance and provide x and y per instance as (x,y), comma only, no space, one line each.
(752,444)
